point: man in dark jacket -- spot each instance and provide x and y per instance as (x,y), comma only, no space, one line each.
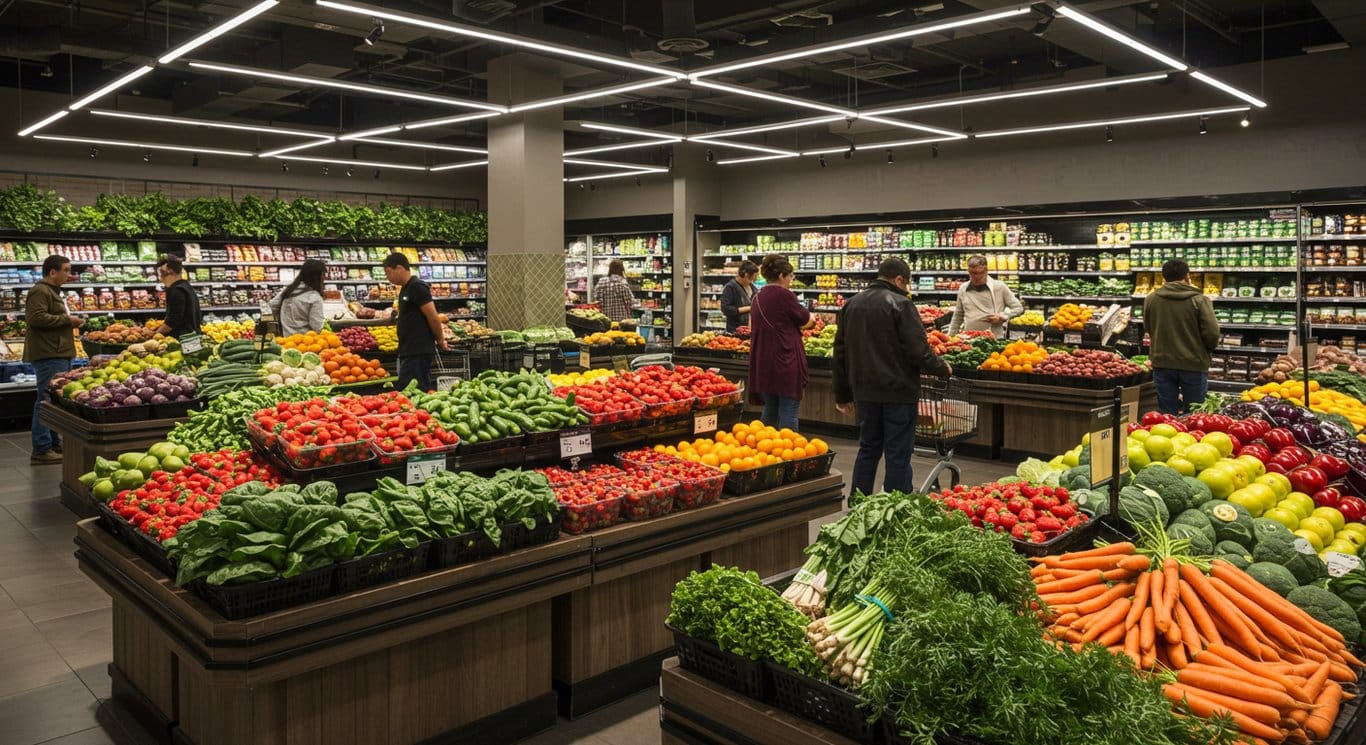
(49,347)
(1182,331)
(738,295)
(880,353)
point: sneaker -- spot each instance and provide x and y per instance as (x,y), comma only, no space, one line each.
(43,459)
(56,449)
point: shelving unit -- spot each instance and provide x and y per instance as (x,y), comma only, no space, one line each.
(648,258)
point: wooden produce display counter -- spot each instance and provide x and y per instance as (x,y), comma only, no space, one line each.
(82,440)
(610,635)
(466,654)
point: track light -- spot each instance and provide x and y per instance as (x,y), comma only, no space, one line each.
(284,168)
(889,157)
(710,155)
(350,172)
(671,160)
(146,156)
(582,186)
(326,169)
(637,181)
(849,153)
(47,71)
(592,187)
(376,173)
(194,162)
(1045,19)
(94,152)
(376,31)
(1204,126)
(1109,133)
(822,161)
(934,150)
(1246,122)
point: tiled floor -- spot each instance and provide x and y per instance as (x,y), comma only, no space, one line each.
(55,633)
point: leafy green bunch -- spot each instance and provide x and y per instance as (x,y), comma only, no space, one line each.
(739,614)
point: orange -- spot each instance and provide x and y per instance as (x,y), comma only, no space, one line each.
(709,459)
(786,454)
(798,453)
(820,446)
(765,446)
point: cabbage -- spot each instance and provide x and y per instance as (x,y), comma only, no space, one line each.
(1036,471)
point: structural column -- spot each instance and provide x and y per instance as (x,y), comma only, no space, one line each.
(526,197)
(696,191)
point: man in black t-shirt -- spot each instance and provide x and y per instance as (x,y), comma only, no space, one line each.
(419,328)
(182,304)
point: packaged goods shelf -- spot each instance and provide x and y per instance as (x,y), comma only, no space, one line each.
(1209,241)
(1228,269)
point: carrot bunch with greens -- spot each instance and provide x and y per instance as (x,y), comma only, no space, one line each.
(1225,645)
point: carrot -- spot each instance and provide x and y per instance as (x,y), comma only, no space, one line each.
(1320,721)
(1267,715)
(1038,570)
(1191,601)
(1174,628)
(1131,647)
(1282,608)
(1066,619)
(1070,583)
(1259,616)
(1112,549)
(1140,600)
(1341,673)
(1204,707)
(1157,592)
(1241,660)
(1121,590)
(1087,562)
(1176,652)
(1237,688)
(1201,665)
(1314,685)
(1220,608)
(1109,617)
(1112,635)
(1149,659)
(1146,631)
(1187,631)
(1076,596)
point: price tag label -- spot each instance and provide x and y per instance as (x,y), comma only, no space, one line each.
(1071,338)
(1103,465)
(703,422)
(191,344)
(1340,563)
(585,360)
(575,443)
(620,363)
(423,467)
(529,361)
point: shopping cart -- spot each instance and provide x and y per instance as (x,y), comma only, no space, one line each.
(451,377)
(946,418)
(663,359)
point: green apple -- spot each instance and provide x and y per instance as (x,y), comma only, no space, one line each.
(1181,465)
(1341,546)
(1164,430)
(1358,529)
(1351,537)
(1319,526)
(1183,440)
(1072,458)
(1142,434)
(1253,466)
(1284,516)
(1159,448)
(1265,496)
(1310,536)
(1278,483)
(1334,517)
(1301,503)
(1138,457)
(1086,439)
(1201,455)
(1248,501)
(1219,479)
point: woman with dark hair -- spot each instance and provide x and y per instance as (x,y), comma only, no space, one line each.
(738,295)
(777,359)
(299,307)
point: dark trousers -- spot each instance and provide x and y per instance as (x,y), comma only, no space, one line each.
(1179,390)
(415,367)
(884,431)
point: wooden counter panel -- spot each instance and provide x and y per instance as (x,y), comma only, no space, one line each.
(144,655)
(83,440)
(767,555)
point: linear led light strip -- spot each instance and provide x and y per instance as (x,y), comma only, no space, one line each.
(374,11)
(210,124)
(757,158)
(600,176)
(743,146)
(422,145)
(252,72)
(366,163)
(1105,29)
(454,166)
(596,93)
(839,111)
(1040,91)
(146,145)
(1112,122)
(621,146)
(194,43)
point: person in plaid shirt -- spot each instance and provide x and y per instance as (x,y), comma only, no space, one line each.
(613,293)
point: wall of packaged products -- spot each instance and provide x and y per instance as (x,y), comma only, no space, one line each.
(648,263)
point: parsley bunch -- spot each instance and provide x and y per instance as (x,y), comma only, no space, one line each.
(739,614)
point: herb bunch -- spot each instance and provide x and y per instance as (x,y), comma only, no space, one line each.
(739,614)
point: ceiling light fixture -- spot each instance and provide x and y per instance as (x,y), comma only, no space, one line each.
(600,176)
(327,169)
(862,41)
(1204,126)
(376,173)
(849,153)
(592,186)
(631,131)
(711,156)
(598,93)
(296,148)
(822,161)
(1041,27)
(194,161)
(146,156)
(912,125)
(755,159)
(825,151)
(610,164)
(889,157)
(424,123)
(145,145)
(582,187)
(1041,91)
(422,145)
(478,33)
(1104,29)
(1112,122)
(208,123)
(30,129)
(810,121)
(353,163)
(47,71)
(371,132)
(1247,121)
(789,100)
(376,31)
(1330,47)
(743,146)
(934,150)
(612,148)
(110,88)
(455,166)
(310,81)
(1225,87)
(637,181)
(350,172)
(94,152)
(903,143)
(284,168)
(1109,133)
(217,31)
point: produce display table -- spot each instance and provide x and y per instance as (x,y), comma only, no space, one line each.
(464,654)
(610,636)
(82,440)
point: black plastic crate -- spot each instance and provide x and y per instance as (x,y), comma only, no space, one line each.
(114,415)
(891,735)
(377,569)
(739,483)
(176,409)
(256,598)
(828,705)
(1078,537)
(146,547)
(807,468)
(484,446)
(517,536)
(747,677)
(461,549)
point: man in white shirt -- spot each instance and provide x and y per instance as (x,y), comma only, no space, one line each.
(984,304)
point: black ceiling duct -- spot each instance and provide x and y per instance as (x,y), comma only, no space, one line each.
(680,29)
(482,12)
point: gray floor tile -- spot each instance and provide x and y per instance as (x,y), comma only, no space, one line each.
(92,736)
(68,606)
(47,584)
(82,639)
(63,707)
(57,537)
(29,666)
(40,513)
(96,679)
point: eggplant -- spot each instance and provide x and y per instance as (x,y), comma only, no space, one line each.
(1332,432)
(1304,432)
(1246,410)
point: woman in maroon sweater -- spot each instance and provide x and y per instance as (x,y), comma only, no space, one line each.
(777,357)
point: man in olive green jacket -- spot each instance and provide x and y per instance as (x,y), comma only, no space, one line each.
(49,347)
(1182,331)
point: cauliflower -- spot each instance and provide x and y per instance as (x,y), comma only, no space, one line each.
(274,380)
(1327,608)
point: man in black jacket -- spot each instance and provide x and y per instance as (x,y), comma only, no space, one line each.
(880,353)
(738,295)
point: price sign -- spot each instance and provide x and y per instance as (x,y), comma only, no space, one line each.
(621,363)
(703,422)
(1340,563)
(1071,338)
(529,361)
(191,344)
(1103,466)
(585,360)
(575,443)
(423,467)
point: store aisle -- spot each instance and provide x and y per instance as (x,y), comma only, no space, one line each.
(55,626)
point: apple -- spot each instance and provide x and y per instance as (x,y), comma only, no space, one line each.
(1278,483)
(1254,466)
(1300,503)
(1140,435)
(1248,501)
(1311,537)
(1138,457)
(1181,465)
(1352,508)
(1183,440)
(1352,537)
(1283,515)
(1320,527)
(1220,441)
(1159,447)
(1219,479)
(1202,455)
(1164,429)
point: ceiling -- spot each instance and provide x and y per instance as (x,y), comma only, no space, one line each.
(74,46)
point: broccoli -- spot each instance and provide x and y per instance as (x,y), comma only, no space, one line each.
(1199,520)
(1077,477)
(1351,587)
(1293,553)
(1168,483)
(1200,492)
(1327,608)
(1200,544)
(1274,576)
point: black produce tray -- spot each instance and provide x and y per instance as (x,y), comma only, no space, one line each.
(739,483)
(484,446)
(116,415)
(377,569)
(142,544)
(461,549)
(1076,538)
(828,705)
(891,735)
(807,468)
(747,677)
(255,598)
(517,536)
(177,409)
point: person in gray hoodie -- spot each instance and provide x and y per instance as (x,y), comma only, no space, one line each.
(1182,331)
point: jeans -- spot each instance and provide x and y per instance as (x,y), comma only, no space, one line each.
(415,367)
(1178,390)
(884,430)
(45,439)
(780,411)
